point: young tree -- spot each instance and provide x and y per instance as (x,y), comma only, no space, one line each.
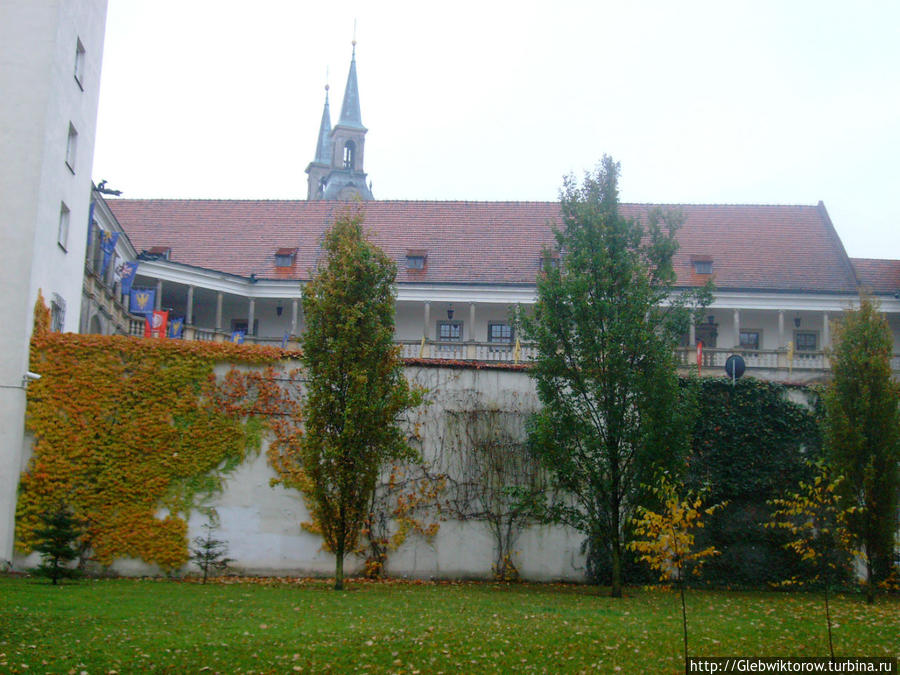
(862,434)
(817,525)
(606,325)
(664,539)
(209,553)
(356,390)
(58,544)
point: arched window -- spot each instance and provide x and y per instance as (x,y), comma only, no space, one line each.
(349,151)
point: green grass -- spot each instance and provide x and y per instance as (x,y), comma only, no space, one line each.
(132,626)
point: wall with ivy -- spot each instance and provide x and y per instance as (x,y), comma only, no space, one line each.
(752,441)
(145,439)
(132,436)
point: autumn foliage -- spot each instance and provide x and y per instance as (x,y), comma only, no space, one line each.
(130,433)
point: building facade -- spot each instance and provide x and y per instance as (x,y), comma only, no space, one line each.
(50,79)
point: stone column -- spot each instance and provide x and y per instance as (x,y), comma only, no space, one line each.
(189,312)
(159,294)
(826,332)
(781,342)
(219,297)
(427,319)
(692,335)
(251,314)
(737,328)
(294,316)
(471,322)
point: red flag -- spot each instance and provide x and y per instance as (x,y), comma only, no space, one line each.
(699,356)
(155,324)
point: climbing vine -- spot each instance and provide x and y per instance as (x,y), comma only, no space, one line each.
(132,435)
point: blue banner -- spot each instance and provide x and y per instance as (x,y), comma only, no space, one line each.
(176,326)
(237,337)
(108,245)
(126,272)
(142,300)
(90,224)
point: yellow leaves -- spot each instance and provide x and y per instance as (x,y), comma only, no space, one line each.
(123,426)
(665,539)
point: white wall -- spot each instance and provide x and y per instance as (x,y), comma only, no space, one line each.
(262,523)
(40,98)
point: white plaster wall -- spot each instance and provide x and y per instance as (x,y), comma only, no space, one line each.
(39,98)
(262,523)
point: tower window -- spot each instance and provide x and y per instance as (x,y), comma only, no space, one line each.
(62,234)
(71,146)
(79,64)
(349,152)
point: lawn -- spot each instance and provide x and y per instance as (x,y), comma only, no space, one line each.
(279,626)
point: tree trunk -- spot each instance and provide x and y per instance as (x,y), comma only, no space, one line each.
(828,619)
(684,625)
(616,591)
(870,583)
(339,569)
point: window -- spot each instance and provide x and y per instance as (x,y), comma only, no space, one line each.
(415,262)
(806,341)
(449,331)
(552,259)
(349,152)
(157,253)
(71,147)
(62,236)
(79,64)
(500,332)
(57,313)
(284,257)
(703,267)
(750,339)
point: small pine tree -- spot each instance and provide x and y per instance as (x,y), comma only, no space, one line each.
(209,553)
(58,544)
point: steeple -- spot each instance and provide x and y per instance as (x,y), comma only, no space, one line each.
(350,114)
(323,147)
(338,172)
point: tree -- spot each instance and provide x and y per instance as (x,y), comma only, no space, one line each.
(606,324)
(818,529)
(664,539)
(209,553)
(57,538)
(862,434)
(356,390)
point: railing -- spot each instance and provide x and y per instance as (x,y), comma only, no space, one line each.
(771,359)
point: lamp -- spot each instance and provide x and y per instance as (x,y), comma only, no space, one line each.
(797,320)
(279,309)
(450,312)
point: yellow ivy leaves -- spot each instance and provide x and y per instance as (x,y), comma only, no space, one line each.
(125,427)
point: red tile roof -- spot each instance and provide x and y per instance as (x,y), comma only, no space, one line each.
(783,248)
(878,276)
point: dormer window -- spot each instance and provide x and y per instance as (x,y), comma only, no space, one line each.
(416,260)
(702,264)
(284,257)
(159,253)
(551,258)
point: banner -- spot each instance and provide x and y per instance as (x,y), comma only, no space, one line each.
(142,300)
(126,273)
(237,337)
(108,245)
(699,356)
(155,324)
(176,327)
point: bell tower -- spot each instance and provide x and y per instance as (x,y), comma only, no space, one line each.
(338,172)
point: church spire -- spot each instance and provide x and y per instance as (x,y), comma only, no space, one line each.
(323,147)
(350,115)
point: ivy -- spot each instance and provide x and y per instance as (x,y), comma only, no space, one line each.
(751,444)
(133,434)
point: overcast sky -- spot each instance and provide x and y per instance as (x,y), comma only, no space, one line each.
(762,102)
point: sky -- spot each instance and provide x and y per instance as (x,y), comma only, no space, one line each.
(756,102)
